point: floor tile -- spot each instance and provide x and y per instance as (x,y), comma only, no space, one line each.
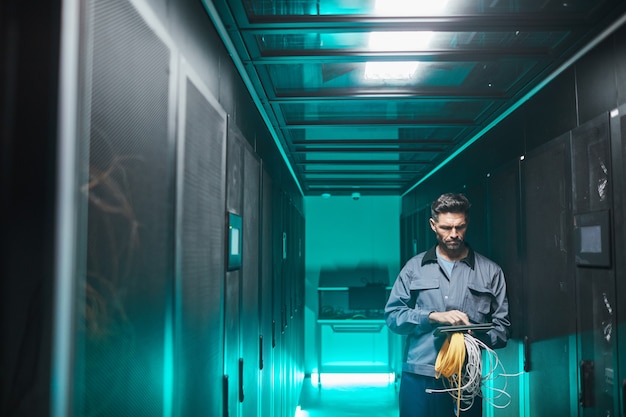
(349,400)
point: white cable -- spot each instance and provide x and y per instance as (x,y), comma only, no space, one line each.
(472,379)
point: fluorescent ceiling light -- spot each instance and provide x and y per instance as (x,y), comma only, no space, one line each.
(390,70)
(409,7)
(399,41)
(395,41)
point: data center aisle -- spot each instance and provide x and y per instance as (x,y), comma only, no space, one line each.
(349,399)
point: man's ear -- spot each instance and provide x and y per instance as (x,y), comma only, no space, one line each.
(432,224)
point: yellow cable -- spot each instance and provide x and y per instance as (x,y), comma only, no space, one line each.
(450,361)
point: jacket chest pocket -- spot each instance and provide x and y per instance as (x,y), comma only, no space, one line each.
(477,303)
(425,295)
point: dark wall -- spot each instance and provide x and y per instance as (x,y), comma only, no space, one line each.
(28,128)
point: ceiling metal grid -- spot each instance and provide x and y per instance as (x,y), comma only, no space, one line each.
(343,130)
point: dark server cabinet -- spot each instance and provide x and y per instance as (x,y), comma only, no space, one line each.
(505,242)
(121,359)
(551,325)
(505,238)
(595,274)
(618,147)
(198,308)
(233,361)
(267,331)
(250,312)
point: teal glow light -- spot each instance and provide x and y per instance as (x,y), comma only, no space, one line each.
(525,98)
(301,413)
(353,379)
(168,362)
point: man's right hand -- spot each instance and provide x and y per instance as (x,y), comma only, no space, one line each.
(452,317)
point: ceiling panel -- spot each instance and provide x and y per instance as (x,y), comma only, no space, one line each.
(374,95)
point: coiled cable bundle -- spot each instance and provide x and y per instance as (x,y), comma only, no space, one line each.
(460,363)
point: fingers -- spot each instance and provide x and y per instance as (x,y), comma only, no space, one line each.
(453,317)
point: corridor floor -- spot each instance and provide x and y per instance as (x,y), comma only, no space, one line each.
(349,400)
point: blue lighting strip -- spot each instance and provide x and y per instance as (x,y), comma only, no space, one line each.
(214,15)
(527,97)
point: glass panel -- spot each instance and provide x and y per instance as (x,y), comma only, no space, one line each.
(428,41)
(433,110)
(417,135)
(412,7)
(491,78)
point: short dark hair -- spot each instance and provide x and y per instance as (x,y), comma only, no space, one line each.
(450,203)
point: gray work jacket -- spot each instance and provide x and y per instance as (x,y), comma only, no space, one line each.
(476,287)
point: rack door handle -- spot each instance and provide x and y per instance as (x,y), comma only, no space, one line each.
(526,354)
(624,397)
(225,396)
(240,380)
(587,397)
(261,351)
(273,333)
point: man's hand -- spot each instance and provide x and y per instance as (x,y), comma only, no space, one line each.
(452,317)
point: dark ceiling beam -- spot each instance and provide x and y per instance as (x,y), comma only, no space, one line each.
(368,142)
(402,172)
(376,162)
(299,56)
(368,150)
(386,122)
(346,191)
(387,94)
(349,182)
(492,22)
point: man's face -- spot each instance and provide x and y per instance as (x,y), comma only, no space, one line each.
(450,230)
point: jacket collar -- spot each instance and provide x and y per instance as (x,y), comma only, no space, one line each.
(431,256)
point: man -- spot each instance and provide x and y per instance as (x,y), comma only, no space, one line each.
(449,284)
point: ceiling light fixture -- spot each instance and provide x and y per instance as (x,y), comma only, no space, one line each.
(395,41)
(409,7)
(400,41)
(390,70)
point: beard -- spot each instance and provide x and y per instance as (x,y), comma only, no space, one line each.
(453,244)
(453,248)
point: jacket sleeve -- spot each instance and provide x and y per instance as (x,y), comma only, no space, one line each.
(400,313)
(498,336)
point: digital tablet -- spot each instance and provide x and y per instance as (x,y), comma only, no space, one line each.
(464,328)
